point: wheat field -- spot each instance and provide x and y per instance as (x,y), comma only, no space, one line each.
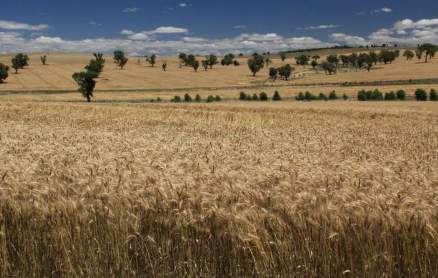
(238,189)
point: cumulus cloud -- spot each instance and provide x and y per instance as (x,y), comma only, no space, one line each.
(12,25)
(138,36)
(386,10)
(131,10)
(169,30)
(48,40)
(350,40)
(183,5)
(260,37)
(127,32)
(321,27)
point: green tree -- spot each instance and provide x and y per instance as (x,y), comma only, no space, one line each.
(227,60)
(333,59)
(164,66)
(328,68)
(373,58)
(204,64)
(408,54)
(322,96)
(119,58)
(353,59)
(211,60)
(428,49)
(333,96)
(195,65)
(263,96)
(255,97)
(3,72)
(16,64)
(236,63)
(302,60)
(285,71)
(183,59)
(420,95)
(282,56)
(23,60)
(94,66)
(387,56)
(255,64)
(390,96)
(187,98)
(191,60)
(43,60)
(276,96)
(151,60)
(273,72)
(314,64)
(210,99)
(433,96)
(418,54)
(198,98)
(316,57)
(345,60)
(401,95)
(86,83)
(100,60)
(268,62)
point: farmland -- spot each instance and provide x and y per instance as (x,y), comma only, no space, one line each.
(121,187)
(239,189)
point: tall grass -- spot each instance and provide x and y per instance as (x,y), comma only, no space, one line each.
(232,190)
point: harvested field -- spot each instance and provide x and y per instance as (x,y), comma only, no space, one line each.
(318,189)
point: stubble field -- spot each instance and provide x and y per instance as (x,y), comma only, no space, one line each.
(319,189)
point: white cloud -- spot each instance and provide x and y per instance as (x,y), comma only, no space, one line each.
(138,36)
(350,40)
(260,37)
(12,25)
(386,10)
(131,10)
(169,30)
(322,27)
(192,39)
(48,40)
(95,23)
(127,32)
(183,5)
(240,27)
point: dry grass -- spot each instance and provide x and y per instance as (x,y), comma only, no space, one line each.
(57,74)
(339,189)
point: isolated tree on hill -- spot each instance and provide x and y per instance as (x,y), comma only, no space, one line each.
(22,59)
(43,60)
(227,60)
(205,64)
(100,60)
(94,66)
(86,83)
(302,60)
(195,65)
(151,60)
(285,71)
(120,59)
(211,60)
(428,49)
(387,56)
(3,72)
(333,59)
(316,57)
(408,54)
(164,66)
(16,64)
(273,72)
(255,64)
(282,56)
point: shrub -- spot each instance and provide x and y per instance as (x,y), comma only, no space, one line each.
(401,95)
(176,99)
(242,96)
(433,95)
(362,95)
(377,95)
(276,96)
(198,98)
(300,97)
(210,98)
(420,95)
(248,97)
(187,98)
(333,96)
(369,94)
(322,96)
(344,97)
(159,99)
(255,97)
(218,98)
(263,96)
(390,96)
(309,96)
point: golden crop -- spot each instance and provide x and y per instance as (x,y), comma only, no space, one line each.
(334,189)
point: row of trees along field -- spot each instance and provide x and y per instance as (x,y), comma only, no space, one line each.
(87,83)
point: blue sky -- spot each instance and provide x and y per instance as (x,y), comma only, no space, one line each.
(200,26)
